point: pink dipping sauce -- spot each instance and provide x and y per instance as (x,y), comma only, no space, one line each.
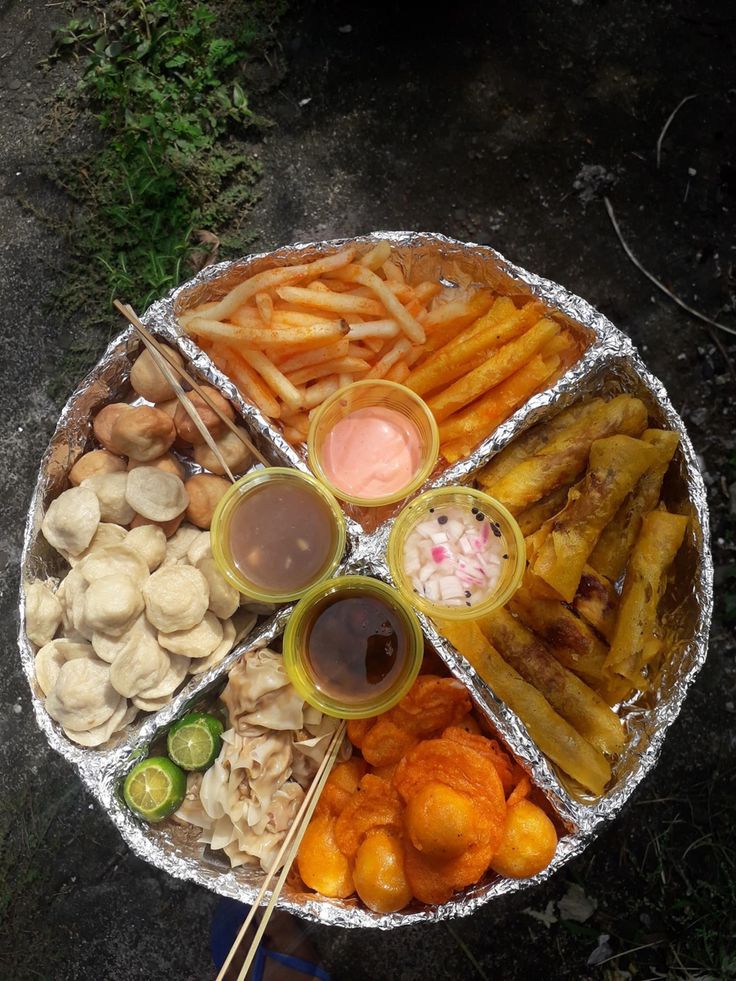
(373,452)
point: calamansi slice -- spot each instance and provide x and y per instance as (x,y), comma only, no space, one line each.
(193,743)
(154,788)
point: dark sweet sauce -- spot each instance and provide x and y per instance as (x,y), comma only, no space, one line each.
(356,645)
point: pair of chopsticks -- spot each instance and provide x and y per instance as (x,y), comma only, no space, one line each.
(287,853)
(170,368)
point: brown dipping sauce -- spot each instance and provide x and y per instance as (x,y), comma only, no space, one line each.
(282,535)
(356,646)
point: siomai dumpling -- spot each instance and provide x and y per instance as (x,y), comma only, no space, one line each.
(114,560)
(198,641)
(110,491)
(72,520)
(43,613)
(142,664)
(176,597)
(112,604)
(82,697)
(224,598)
(149,542)
(155,494)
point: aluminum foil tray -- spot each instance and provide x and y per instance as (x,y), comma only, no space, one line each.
(609,365)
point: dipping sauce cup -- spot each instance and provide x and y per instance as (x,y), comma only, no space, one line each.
(455,553)
(373,443)
(277,532)
(352,647)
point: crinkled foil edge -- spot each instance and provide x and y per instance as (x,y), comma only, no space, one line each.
(101,770)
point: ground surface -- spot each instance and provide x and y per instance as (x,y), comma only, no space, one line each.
(503,126)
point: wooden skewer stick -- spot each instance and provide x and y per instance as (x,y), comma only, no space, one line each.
(151,342)
(291,842)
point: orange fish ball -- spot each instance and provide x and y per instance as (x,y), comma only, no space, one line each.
(322,865)
(440,821)
(379,873)
(528,844)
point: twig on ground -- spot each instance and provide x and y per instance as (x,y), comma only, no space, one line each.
(669,122)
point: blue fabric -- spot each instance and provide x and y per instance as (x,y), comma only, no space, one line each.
(226,923)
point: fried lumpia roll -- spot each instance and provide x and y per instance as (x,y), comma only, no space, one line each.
(555,737)
(563,459)
(613,548)
(596,600)
(616,463)
(533,517)
(583,708)
(637,637)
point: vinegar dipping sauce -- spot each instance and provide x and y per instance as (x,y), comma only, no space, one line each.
(282,536)
(356,646)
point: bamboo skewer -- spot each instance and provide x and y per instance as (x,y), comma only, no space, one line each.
(156,348)
(291,843)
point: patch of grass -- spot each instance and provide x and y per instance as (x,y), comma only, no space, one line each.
(171,176)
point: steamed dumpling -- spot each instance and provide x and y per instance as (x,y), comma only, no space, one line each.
(43,613)
(72,520)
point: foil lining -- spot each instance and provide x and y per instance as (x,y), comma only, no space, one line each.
(609,365)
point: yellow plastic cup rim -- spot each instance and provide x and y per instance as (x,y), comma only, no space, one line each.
(417,511)
(387,392)
(220,528)
(295,655)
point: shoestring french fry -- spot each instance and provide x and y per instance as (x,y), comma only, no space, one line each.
(358,274)
(616,463)
(505,361)
(613,548)
(375,257)
(339,349)
(564,458)
(638,633)
(555,737)
(341,303)
(596,600)
(264,303)
(570,697)
(335,366)
(277,381)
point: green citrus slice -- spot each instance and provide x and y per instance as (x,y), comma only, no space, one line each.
(154,788)
(194,742)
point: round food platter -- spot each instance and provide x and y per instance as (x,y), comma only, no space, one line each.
(606,366)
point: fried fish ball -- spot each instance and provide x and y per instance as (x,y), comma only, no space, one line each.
(204,491)
(93,463)
(176,598)
(440,821)
(103,422)
(148,380)
(168,463)
(379,874)
(110,489)
(185,427)
(155,494)
(71,520)
(43,613)
(322,865)
(144,433)
(528,844)
(234,452)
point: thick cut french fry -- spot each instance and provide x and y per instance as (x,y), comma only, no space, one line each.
(426,291)
(264,302)
(582,707)
(616,464)
(483,416)
(459,313)
(335,366)
(357,274)
(319,356)
(504,362)
(535,515)
(341,303)
(638,633)
(275,379)
(443,333)
(562,458)
(252,386)
(374,258)
(617,539)
(471,348)
(596,600)
(395,353)
(271,278)
(312,336)
(555,737)
(374,328)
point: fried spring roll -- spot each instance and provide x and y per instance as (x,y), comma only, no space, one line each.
(583,708)
(616,463)
(613,548)
(636,639)
(564,458)
(555,737)
(596,600)
(533,517)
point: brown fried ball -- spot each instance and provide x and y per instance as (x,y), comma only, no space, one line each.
(379,873)
(528,844)
(168,463)
(143,432)
(168,527)
(185,427)
(104,421)
(148,380)
(322,865)
(93,464)
(205,491)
